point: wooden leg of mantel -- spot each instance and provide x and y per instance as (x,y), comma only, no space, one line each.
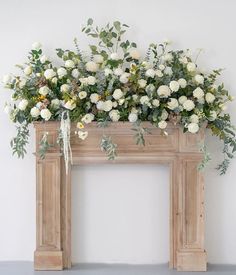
(191,255)
(48,254)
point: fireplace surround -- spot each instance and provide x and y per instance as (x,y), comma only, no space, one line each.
(53,196)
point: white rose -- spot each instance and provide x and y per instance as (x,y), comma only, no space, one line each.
(97,58)
(135,54)
(144,100)
(28,70)
(182,82)
(114,104)
(173,103)
(188,105)
(7,79)
(43,59)
(55,103)
(161,67)
(163,91)
(118,71)
(94,97)
(199,79)
(164,115)
(36,46)
(150,73)
(114,56)
(167,57)
(91,80)
(174,86)
(100,105)
(34,112)
(49,74)
(213,116)
(91,66)
(194,118)
(39,105)
(198,93)
(191,67)
(155,102)
(209,97)
(183,60)
(61,72)
(23,104)
(69,64)
(142,83)
(146,65)
(82,134)
(168,71)
(44,90)
(88,118)
(135,97)
(133,117)
(45,114)
(75,73)
(84,80)
(182,99)
(107,71)
(114,115)
(65,88)
(117,94)
(124,78)
(162,124)
(82,94)
(70,105)
(159,73)
(121,101)
(107,106)
(193,128)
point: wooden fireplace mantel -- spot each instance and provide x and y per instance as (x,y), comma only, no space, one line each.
(179,150)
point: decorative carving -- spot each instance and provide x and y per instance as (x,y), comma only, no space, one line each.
(180,151)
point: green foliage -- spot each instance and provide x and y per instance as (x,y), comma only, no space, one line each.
(19,142)
(140,132)
(206,158)
(108,147)
(44,145)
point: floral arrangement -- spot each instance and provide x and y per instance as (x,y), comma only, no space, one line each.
(114,83)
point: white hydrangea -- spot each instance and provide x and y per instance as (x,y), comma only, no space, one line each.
(45,114)
(163,91)
(199,79)
(34,112)
(94,98)
(188,105)
(117,94)
(75,73)
(49,74)
(44,90)
(191,67)
(69,64)
(132,117)
(70,105)
(198,93)
(91,80)
(210,98)
(114,115)
(182,82)
(173,104)
(23,104)
(174,86)
(193,127)
(162,124)
(97,58)
(91,66)
(82,94)
(142,83)
(61,72)
(88,118)
(194,118)
(182,99)
(150,73)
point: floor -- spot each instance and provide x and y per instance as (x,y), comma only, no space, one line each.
(26,268)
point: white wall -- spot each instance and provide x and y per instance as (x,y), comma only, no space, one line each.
(132,234)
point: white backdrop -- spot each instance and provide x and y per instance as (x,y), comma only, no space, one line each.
(119,212)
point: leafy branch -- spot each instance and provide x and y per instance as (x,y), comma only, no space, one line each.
(206,158)
(140,132)
(108,147)
(19,142)
(44,145)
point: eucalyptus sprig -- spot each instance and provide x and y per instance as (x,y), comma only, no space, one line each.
(44,145)
(108,147)
(19,142)
(140,132)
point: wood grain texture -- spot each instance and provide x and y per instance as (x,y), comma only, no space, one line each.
(179,150)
